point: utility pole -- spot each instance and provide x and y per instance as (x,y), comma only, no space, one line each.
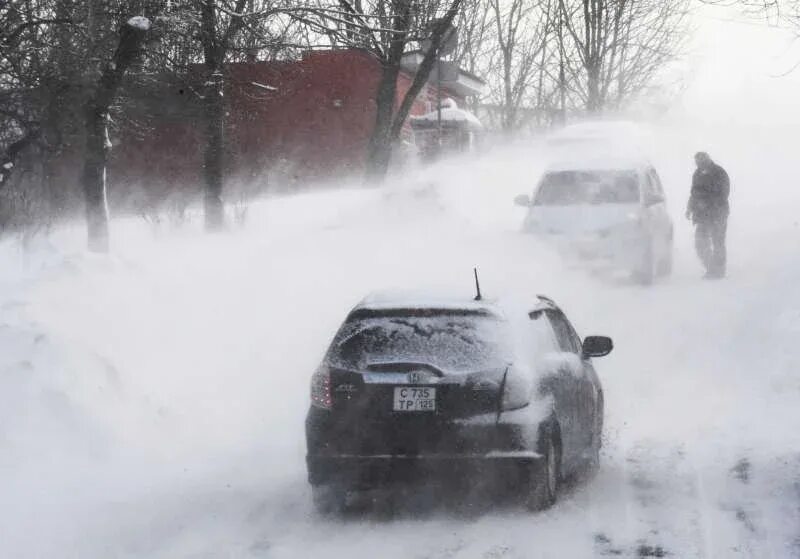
(438,105)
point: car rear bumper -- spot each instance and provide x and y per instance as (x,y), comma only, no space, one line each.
(370,471)
(623,252)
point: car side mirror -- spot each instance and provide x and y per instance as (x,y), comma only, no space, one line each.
(597,346)
(523,200)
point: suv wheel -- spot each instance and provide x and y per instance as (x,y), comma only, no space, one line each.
(543,478)
(646,272)
(665,266)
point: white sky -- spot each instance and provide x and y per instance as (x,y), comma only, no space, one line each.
(732,72)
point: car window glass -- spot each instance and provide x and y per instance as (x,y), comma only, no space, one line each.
(448,341)
(571,188)
(657,182)
(565,335)
(544,339)
(649,188)
(652,192)
(576,339)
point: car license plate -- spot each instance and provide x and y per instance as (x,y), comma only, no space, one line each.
(414,398)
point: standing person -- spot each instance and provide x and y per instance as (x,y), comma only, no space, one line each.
(708,209)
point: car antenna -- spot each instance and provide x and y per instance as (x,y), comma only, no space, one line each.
(477,285)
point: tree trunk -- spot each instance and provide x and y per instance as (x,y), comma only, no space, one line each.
(388,122)
(94,179)
(214,110)
(214,115)
(508,98)
(9,158)
(98,146)
(594,103)
(379,150)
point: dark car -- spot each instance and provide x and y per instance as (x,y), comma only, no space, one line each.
(459,390)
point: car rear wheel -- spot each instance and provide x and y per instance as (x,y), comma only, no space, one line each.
(543,478)
(328,499)
(597,436)
(646,272)
(665,264)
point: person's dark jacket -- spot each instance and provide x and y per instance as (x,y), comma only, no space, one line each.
(710,190)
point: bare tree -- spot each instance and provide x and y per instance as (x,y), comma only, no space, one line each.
(25,42)
(777,13)
(613,48)
(475,35)
(774,11)
(216,37)
(131,37)
(209,34)
(388,29)
(50,64)
(522,32)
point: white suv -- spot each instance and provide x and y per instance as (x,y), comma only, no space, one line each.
(611,212)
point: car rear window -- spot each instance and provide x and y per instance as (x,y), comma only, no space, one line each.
(569,188)
(450,341)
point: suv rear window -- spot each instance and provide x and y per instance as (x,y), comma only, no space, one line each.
(569,188)
(450,341)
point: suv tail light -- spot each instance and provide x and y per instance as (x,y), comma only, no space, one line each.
(636,217)
(321,388)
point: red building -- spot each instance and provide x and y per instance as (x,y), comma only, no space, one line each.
(288,120)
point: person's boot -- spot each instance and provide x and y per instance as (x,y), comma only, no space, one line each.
(714,273)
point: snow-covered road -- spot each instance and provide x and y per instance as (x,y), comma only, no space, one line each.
(152,402)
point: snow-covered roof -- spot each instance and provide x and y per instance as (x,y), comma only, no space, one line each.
(452,78)
(449,115)
(139,22)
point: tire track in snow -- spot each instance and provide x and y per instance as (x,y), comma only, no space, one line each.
(658,482)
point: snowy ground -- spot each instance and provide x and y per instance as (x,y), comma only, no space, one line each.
(152,402)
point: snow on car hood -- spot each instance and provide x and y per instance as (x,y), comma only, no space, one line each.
(578,219)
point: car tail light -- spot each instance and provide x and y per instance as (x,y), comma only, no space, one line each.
(636,217)
(321,388)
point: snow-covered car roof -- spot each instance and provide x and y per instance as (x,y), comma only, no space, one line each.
(411,299)
(599,163)
(417,299)
(598,145)
(601,128)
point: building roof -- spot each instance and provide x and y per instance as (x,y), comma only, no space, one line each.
(452,78)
